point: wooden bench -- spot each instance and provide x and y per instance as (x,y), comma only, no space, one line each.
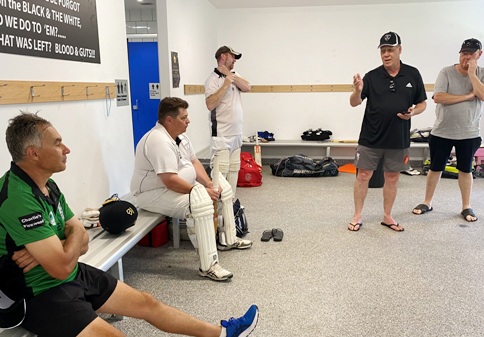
(337,150)
(107,250)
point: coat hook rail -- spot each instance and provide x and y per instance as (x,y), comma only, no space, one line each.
(63,93)
(32,92)
(87,89)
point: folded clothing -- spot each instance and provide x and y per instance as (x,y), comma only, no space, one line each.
(317,134)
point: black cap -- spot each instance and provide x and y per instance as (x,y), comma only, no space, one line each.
(12,288)
(390,39)
(471,45)
(226,49)
(116,216)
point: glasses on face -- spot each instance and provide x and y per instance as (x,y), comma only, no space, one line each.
(392,87)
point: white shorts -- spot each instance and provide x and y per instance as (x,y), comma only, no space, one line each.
(231,143)
(166,202)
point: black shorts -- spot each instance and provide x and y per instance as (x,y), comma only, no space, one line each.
(440,149)
(65,310)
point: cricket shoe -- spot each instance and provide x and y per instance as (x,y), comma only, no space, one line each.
(242,326)
(216,272)
(239,244)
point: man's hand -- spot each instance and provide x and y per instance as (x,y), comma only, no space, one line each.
(224,70)
(24,260)
(213,193)
(472,70)
(357,83)
(406,115)
(355,98)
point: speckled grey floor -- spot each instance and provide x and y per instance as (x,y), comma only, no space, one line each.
(323,280)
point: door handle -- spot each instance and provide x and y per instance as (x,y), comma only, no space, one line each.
(136,106)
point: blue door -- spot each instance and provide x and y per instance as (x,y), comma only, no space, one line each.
(143,70)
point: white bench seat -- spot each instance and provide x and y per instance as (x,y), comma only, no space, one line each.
(331,148)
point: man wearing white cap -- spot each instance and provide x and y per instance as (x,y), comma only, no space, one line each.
(459,92)
(395,93)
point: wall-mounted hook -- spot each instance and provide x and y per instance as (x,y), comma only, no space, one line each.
(87,89)
(62,89)
(32,92)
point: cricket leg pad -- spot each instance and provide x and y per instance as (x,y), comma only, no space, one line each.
(201,207)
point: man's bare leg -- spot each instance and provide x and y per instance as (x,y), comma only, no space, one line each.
(465,185)
(130,302)
(360,190)
(389,196)
(433,178)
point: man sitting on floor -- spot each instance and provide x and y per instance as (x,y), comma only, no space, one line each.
(39,232)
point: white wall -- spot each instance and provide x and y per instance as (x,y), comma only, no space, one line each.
(191,31)
(101,158)
(328,45)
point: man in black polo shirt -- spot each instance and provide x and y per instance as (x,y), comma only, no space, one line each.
(395,93)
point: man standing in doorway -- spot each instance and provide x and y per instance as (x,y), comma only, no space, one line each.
(459,92)
(395,93)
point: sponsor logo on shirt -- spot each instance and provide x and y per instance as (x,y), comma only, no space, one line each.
(409,85)
(61,212)
(31,221)
(52,218)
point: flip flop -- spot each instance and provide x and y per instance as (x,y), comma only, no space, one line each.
(422,208)
(468,212)
(359,224)
(278,234)
(266,235)
(389,225)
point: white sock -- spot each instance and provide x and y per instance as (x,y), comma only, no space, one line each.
(223,333)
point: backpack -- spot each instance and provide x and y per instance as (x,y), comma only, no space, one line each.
(250,173)
(241,224)
(301,165)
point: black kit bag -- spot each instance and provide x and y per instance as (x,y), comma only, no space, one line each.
(301,165)
(241,224)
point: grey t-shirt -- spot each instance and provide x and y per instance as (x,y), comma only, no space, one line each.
(460,120)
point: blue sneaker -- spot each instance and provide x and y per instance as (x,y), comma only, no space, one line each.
(242,326)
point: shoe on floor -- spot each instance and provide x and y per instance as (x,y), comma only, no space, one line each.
(354,228)
(422,208)
(266,235)
(239,244)
(277,234)
(392,225)
(469,212)
(216,273)
(242,326)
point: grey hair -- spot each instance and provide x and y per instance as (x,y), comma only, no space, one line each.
(23,131)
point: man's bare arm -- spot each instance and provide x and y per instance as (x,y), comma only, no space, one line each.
(57,258)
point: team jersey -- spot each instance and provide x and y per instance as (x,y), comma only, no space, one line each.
(26,216)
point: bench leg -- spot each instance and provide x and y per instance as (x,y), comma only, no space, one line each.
(117,271)
(176,233)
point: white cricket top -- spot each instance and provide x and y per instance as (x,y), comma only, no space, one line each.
(157,153)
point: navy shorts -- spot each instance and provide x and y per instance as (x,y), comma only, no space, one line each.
(65,310)
(440,149)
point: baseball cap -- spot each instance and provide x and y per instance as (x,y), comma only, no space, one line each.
(226,49)
(12,287)
(471,45)
(117,215)
(390,39)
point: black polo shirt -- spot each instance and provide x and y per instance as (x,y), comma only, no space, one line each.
(381,127)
